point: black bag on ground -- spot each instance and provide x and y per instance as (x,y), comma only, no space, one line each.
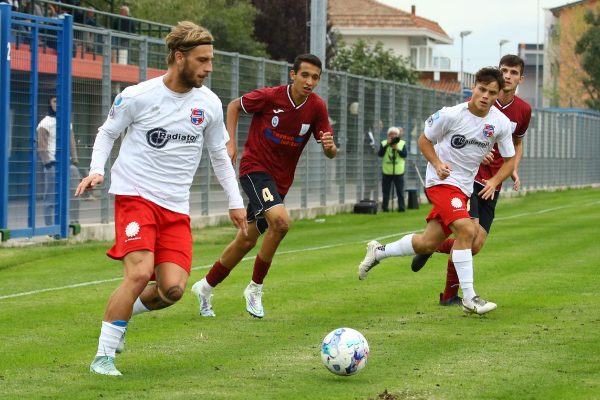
(365,206)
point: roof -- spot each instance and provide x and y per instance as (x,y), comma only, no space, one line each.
(447,86)
(372,14)
(557,10)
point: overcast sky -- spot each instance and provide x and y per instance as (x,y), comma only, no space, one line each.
(489,20)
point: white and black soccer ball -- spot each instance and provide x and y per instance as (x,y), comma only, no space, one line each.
(344,351)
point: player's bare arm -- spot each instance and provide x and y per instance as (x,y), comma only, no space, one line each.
(518,143)
(89,183)
(442,169)
(233,115)
(489,190)
(329,147)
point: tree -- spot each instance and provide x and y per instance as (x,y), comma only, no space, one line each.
(362,58)
(588,46)
(230,21)
(283,26)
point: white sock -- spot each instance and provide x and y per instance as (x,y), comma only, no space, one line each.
(205,287)
(258,285)
(139,307)
(399,248)
(463,262)
(109,339)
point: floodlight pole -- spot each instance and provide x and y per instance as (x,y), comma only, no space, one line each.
(502,43)
(462,35)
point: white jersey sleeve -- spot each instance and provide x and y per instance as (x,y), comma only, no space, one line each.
(505,141)
(216,138)
(437,124)
(119,118)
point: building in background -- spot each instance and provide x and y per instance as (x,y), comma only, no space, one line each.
(405,33)
(533,56)
(564,25)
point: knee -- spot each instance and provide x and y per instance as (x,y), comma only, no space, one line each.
(246,243)
(172,294)
(279,226)
(467,232)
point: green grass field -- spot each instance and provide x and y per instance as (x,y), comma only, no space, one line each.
(540,265)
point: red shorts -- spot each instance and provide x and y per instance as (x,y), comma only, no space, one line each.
(449,204)
(143,225)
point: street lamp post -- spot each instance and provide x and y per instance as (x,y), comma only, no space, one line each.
(462,35)
(502,43)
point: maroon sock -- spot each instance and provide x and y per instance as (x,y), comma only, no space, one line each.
(261,268)
(446,246)
(217,274)
(452,283)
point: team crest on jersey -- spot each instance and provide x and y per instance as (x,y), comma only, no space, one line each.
(304,129)
(197,116)
(488,130)
(275,121)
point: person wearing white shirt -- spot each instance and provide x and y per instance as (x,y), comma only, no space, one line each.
(455,141)
(168,120)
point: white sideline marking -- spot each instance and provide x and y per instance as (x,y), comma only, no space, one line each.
(76,285)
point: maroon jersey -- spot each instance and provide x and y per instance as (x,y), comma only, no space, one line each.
(279,131)
(519,113)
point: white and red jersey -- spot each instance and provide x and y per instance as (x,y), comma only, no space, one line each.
(461,140)
(279,131)
(518,112)
(161,151)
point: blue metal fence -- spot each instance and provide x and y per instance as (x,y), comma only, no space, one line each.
(18,153)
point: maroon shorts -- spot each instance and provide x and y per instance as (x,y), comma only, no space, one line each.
(449,204)
(143,225)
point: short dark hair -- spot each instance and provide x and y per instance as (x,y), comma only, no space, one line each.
(490,74)
(309,58)
(512,60)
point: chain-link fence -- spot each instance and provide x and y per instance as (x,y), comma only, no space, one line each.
(561,148)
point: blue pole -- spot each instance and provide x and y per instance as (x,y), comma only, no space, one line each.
(65,53)
(33,115)
(4,110)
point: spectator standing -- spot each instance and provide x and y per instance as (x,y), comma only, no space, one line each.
(123,24)
(46,131)
(393,153)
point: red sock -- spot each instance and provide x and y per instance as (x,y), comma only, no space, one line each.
(452,283)
(217,274)
(261,268)
(446,246)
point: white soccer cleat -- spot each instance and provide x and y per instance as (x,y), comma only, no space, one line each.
(104,365)
(369,261)
(477,305)
(253,295)
(204,299)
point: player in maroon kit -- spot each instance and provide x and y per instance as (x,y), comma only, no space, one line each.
(482,211)
(284,118)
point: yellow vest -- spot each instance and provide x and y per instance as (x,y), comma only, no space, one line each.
(388,166)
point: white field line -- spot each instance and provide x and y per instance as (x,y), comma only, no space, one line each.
(98,282)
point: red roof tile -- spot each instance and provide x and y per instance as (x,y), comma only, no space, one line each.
(372,14)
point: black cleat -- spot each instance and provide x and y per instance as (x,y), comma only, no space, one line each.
(419,261)
(452,301)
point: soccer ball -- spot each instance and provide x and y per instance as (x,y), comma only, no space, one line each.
(344,351)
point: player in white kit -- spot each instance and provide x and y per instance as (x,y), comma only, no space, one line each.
(168,120)
(463,135)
